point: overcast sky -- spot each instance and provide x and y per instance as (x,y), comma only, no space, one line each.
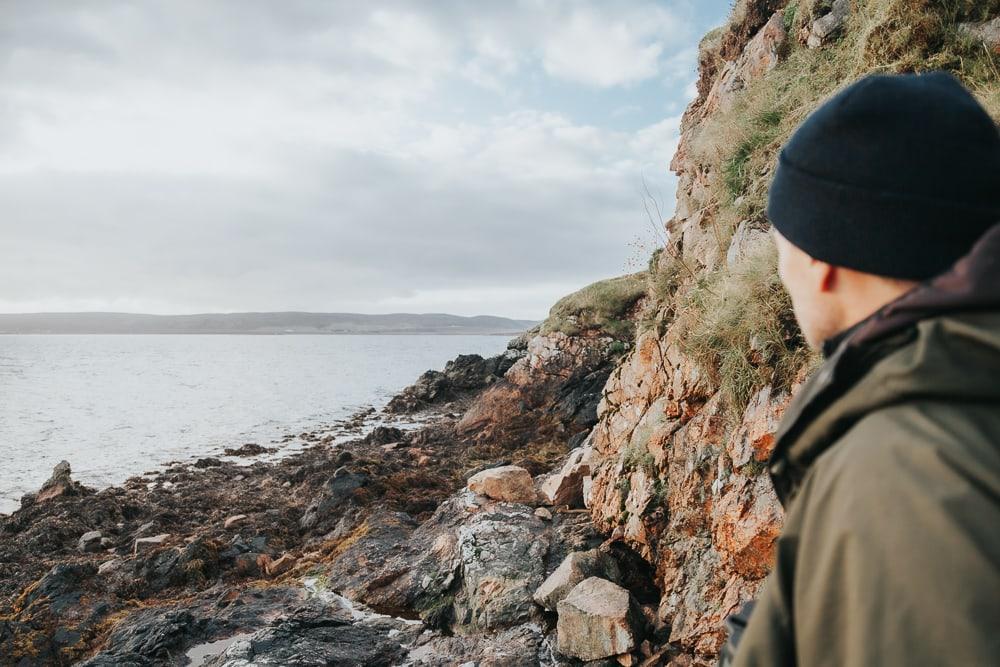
(468,157)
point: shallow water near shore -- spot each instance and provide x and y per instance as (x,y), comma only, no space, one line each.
(119,405)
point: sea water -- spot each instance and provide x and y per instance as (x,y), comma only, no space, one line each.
(119,405)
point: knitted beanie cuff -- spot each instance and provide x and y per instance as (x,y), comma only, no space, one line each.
(859,228)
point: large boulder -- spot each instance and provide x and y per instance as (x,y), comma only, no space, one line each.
(576,567)
(565,486)
(472,566)
(502,560)
(511,484)
(598,619)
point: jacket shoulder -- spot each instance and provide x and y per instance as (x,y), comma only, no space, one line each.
(896,549)
(919,447)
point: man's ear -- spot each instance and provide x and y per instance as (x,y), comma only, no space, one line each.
(827,274)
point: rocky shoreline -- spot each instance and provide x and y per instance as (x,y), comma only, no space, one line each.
(430,545)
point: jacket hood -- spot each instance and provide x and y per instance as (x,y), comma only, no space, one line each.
(939,341)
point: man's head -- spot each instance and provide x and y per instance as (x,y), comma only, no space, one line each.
(887,184)
(827,298)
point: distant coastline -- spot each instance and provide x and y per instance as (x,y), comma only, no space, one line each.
(271,323)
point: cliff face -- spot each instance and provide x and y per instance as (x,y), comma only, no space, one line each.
(685,425)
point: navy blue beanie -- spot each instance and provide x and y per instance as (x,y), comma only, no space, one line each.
(896,175)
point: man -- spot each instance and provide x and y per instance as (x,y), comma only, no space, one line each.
(885,206)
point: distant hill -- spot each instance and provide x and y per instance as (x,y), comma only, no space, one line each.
(259,323)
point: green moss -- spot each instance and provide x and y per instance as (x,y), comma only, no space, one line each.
(788,18)
(624,487)
(602,306)
(666,273)
(753,468)
(617,348)
(660,495)
(438,612)
(637,457)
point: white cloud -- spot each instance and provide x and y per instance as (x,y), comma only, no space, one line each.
(317,157)
(609,48)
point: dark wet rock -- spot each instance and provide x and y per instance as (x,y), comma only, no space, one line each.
(637,574)
(578,398)
(461,376)
(338,490)
(51,618)
(249,449)
(382,435)
(314,634)
(380,526)
(378,551)
(162,635)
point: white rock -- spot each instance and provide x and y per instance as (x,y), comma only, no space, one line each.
(565,487)
(596,620)
(108,566)
(544,514)
(511,484)
(823,28)
(90,542)
(576,567)
(147,543)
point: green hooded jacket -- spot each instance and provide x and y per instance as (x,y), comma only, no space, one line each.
(888,465)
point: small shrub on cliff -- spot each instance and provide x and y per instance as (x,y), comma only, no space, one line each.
(603,306)
(666,273)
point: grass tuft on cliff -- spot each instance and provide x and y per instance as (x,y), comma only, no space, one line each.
(738,325)
(603,306)
(737,322)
